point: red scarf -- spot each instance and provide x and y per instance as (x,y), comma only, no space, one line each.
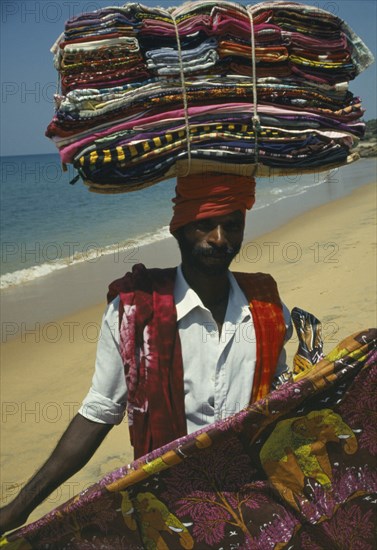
(151,350)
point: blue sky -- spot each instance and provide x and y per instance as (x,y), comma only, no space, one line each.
(28,78)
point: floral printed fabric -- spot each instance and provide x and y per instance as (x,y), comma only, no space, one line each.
(295,470)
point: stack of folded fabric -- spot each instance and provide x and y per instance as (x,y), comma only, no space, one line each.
(148,93)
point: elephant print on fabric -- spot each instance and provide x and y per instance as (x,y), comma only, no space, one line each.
(296,450)
(153,518)
(128,510)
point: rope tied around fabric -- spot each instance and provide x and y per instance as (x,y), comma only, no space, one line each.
(255,118)
(184,97)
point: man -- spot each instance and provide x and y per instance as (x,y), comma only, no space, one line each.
(196,343)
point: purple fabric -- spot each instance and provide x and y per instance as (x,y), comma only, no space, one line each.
(294,471)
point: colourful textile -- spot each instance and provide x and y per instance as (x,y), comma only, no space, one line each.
(265,304)
(150,347)
(209,195)
(151,350)
(296,470)
(122,67)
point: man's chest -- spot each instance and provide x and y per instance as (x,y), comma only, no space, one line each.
(218,368)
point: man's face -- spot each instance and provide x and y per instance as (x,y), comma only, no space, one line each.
(209,245)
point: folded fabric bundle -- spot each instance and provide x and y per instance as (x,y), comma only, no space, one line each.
(263,89)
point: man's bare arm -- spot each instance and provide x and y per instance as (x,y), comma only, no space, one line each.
(75,448)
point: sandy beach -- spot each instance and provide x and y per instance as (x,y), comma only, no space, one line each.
(324,261)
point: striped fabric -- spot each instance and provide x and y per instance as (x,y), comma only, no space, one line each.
(121,66)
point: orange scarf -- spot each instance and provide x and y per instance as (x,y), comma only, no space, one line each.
(201,196)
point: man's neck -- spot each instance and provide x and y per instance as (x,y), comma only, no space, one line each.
(211,289)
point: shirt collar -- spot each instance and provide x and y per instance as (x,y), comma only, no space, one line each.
(186,299)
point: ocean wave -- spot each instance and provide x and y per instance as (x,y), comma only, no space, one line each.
(24,275)
(278,194)
(129,248)
(126,248)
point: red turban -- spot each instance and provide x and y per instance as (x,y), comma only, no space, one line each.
(201,196)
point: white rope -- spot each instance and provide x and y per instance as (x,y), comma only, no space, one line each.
(184,97)
(255,119)
(59,84)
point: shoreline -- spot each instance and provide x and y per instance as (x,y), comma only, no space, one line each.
(273,251)
(78,286)
(324,261)
(46,371)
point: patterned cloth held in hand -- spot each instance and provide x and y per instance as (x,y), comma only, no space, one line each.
(295,470)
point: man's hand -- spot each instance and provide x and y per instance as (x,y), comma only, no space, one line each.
(10,518)
(75,448)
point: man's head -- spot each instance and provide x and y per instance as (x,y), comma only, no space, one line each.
(209,245)
(209,218)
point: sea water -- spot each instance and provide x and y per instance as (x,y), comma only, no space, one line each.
(48,224)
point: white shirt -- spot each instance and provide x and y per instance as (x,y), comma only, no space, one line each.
(218,370)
